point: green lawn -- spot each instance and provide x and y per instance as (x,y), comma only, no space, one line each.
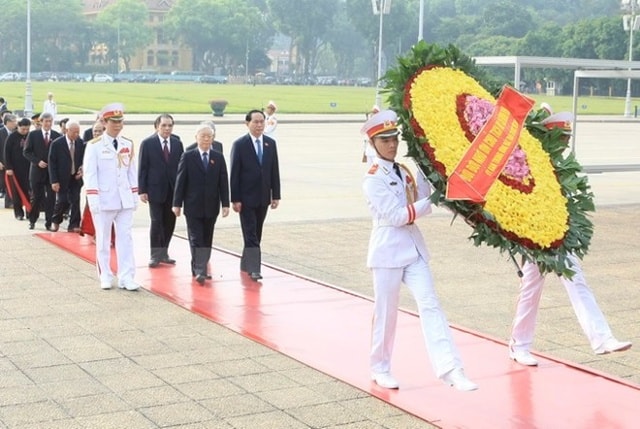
(82,97)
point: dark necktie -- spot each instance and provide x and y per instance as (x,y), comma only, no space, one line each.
(165,150)
(46,138)
(115,144)
(396,168)
(259,150)
(205,159)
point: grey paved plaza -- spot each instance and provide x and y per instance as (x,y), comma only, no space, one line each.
(73,356)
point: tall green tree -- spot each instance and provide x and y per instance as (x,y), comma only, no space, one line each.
(306,22)
(57,31)
(124,27)
(346,43)
(227,34)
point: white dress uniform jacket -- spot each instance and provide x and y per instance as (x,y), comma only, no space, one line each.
(110,177)
(395,240)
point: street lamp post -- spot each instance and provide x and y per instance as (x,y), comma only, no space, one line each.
(380,7)
(28,99)
(630,23)
(421,21)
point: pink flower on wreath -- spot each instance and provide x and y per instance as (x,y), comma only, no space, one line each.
(477,112)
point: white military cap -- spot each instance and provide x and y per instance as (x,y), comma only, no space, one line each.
(382,124)
(560,120)
(113,111)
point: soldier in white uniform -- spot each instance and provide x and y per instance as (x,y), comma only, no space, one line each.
(584,304)
(398,254)
(270,120)
(111,183)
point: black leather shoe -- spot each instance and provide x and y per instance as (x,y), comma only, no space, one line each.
(255,276)
(200,279)
(32,225)
(208,277)
(168,260)
(153,263)
(54,227)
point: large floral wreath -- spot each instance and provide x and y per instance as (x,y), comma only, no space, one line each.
(538,206)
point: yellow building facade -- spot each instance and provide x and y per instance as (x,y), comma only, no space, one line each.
(162,55)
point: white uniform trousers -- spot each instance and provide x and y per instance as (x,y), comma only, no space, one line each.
(435,329)
(123,220)
(584,304)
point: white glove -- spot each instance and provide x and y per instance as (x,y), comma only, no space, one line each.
(424,187)
(94,203)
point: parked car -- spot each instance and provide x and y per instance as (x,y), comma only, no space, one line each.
(144,78)
(100,77)
(207,78)
(6,77)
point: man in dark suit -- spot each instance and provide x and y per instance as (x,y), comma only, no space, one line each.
(157,168)
(87,135)
(65,174)
(202,186)
(10,123)
(17,168)
(37,152)
(255,186)
(216,145)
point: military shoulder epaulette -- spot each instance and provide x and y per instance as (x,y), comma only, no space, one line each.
(127,139)
(95,140)
(373,169)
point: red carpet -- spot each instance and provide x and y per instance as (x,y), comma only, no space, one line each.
(328,329)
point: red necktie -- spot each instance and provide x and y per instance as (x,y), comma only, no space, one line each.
(165,150)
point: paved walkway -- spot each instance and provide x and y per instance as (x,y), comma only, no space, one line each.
(73,356)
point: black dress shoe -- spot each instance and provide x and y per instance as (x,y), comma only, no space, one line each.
(208,277)
(168,260)
(32,225)
(200,279)
(255,276)
(153,263)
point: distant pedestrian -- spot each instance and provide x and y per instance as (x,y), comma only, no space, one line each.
(270,120)
(50,106)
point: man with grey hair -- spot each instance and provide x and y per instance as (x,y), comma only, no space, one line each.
(37,152)
(215,145)
(10,122)
(65,174)
(202,187)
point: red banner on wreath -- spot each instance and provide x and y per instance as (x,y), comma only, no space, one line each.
(490,150)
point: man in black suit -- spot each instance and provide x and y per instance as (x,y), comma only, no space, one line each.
(10,123)
(17,168)
(87,135)
(216,145)
(65,173)
(37,152)
(255,186)
(202,186)
(157,168)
